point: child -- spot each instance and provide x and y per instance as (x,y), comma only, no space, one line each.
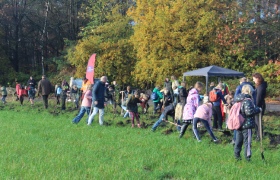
(57,93)
(125,109)
(76,94)
(203,114)
(31,94)
(86,104)
(248,111)
(230,100)
(132,107)
(190,107)
(169,110)
(156,97)
(145,105)
(65,90)
(167,99)
(4,94)
(22,92)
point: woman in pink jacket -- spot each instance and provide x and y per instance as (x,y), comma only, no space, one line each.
(204,114)
(190,107)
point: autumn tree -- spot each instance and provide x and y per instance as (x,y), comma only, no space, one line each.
(172,37)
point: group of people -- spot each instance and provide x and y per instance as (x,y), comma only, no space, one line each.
(174,100)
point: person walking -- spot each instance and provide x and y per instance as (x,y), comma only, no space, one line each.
(98,99)
(86,105)
(261,86)
(248,111)
(45,86)
(31,91)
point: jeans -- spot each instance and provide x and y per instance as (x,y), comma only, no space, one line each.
(178,127)
(4,98)
(227,115)
(234,135)
(57,99)
(21,98)
(206,125)
(77,102)
(217,113)
(81,114)
(45,101)
(158,122)
(241,135)
(126,113)
(95,111)
(156,105)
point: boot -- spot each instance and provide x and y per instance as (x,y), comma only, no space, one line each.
(183,130)
(132,126)
(138,125)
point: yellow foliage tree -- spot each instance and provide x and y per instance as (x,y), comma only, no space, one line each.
(172,37)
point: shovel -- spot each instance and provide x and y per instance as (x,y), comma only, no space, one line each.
(260,129)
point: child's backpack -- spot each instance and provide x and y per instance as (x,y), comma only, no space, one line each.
(235,119)
(58,90)
(213,95)
(154,96)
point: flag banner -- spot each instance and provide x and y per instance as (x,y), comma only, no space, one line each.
(90,69)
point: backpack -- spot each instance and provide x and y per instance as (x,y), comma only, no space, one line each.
(235,119)
(58,90)
(213,95)
(154,96)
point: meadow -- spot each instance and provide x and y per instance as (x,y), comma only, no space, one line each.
(44,144)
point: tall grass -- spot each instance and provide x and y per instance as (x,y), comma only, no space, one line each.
(38,144)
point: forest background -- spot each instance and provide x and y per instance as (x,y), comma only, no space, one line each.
(138,42)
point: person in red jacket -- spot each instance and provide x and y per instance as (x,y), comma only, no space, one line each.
(21,93)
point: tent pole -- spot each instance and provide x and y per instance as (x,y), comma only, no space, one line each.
(207,79)
(183,78)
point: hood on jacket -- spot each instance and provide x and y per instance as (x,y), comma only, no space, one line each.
(240,97)
(3,88)
(155,90)
(246,83)
(193,91)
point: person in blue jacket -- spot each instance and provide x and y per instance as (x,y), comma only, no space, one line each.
(217,112)
(243,81)
(98,98)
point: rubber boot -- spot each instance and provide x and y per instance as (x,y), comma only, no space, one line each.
(183,130)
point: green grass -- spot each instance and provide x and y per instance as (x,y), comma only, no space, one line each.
(40,145)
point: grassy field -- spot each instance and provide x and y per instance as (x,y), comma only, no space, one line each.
(44,144)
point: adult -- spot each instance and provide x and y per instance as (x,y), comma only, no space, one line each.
(174,81)
(168,85)
(212,86)
(99,100)
(244,81)
(85,83)
(217,112)
(65,90)
(261,86)
(157,101)
(31,82)
(31,92)
(248,111)
(45,86)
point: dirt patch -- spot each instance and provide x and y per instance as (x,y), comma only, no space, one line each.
(106,123)
(227,134)
(120,123)
(274,113)
(143,125)
(167,131)
(274,138)
(128,121)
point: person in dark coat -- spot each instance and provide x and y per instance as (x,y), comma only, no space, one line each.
(132,108)
(261,86)
(31,82)
(167,99)
(243,81)
(183,93)
(65,89)
(46,87)
(98,99)
(248,111)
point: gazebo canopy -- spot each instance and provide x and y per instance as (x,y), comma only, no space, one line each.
(213,71)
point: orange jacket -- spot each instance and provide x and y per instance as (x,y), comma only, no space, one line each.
(84,86)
